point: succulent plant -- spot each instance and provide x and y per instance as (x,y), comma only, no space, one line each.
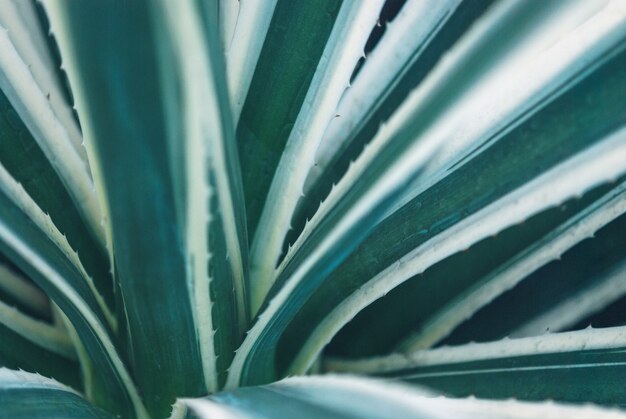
(312,208)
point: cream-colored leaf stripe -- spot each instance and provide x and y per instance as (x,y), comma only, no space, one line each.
(33,107)
(24,202)
(345,46)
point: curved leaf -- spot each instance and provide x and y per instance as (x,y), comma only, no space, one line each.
(281,80)
(341,53)
(352,397)
(26,163)
(24,395)
(35,346)
(53,137)
(572,366)
(39,258)
(575,284)
(317,280)
(110,54)
(429,306)
(217,253)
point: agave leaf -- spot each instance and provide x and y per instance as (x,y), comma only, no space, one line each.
(26,170)
(496,171)
(37,346)
(19,198)
(504,130)
(46,264)
(218,253)
(36,20)
(19,352)
(410,46)
(361,265)
(495,87)
(25,395)
(513,409)
(344,47)
(385,66)
(116,85)
(27,35)
(583,99)
(566,43)
(380,185)
(313,397)
(57,34)
(23,154)
(54,138)
(281,80)
(581,281)
(607,287)
(352,397)
(550,189)
(91,382)
(571,366)
(45,335)
(245,46)
(451,290)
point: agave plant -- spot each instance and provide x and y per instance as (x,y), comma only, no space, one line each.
(199,199)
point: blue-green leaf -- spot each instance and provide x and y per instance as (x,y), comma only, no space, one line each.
(24,395)
(27,84)
(322,277)
(351,397)
(110,54)
(215,230)
(570,367)
(345,44)
(432,304)
(47,265)
(576,283)
(279,86)
(27,165)
(36,346)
